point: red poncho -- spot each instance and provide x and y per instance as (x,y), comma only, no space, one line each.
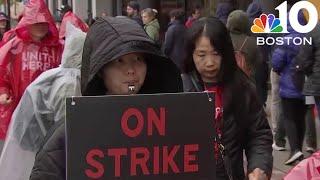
(22,60)
(74,20)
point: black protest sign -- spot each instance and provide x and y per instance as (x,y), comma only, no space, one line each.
(164,136)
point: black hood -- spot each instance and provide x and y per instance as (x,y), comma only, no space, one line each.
(110,38)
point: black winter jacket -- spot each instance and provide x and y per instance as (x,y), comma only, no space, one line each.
(174,42)
(245,126)
(138,20)
(108,39)
(308,61)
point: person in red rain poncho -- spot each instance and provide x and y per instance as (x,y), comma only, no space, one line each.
(33,50)
(308,169)
(74,20)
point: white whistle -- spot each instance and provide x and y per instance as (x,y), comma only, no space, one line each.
(131,88)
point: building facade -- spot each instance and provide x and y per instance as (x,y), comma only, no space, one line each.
(117,7)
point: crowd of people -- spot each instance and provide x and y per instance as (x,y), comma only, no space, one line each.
(43,61)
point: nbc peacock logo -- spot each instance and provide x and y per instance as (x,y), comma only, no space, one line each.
(267,24)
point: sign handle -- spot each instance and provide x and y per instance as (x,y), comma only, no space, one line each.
(209,97)
(73,103)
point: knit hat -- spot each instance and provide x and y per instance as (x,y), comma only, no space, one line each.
(238,22)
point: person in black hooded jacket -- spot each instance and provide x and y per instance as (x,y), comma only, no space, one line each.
(308,62)
(241,123)
(174,38)
(116,50)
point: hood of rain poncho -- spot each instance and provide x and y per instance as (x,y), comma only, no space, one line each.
(75,20)
(110,38)
(36,11)
(42,104)
(72,53)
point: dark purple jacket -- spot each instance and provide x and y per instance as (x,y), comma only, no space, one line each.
(223,11)
(291,82)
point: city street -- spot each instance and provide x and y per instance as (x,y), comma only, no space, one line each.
(279,157)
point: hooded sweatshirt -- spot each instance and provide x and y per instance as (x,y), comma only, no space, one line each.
(108,39)
(41,106)
(22,60)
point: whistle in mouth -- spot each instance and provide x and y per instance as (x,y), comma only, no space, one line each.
(131,88)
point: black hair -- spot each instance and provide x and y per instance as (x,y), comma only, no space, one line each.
(134,5)
(196,7)
(178,14)
(218,34)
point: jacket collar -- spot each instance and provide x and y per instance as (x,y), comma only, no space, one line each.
(175,22)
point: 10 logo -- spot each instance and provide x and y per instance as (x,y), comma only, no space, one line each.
(270,24)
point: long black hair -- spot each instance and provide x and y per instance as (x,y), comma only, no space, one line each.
(218,34)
